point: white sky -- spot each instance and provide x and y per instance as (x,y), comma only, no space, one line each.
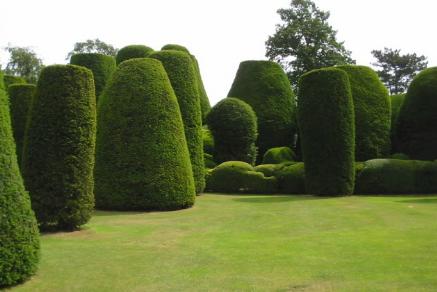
(221,33)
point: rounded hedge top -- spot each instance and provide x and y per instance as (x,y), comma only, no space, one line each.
(131,52)
(278,155)
(372,112)
(10,79)
(266,88)
(175,47)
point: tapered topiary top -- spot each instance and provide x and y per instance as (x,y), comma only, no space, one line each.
(131,52)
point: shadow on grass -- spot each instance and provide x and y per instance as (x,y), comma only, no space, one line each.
(420,201)
(279,199)
(101,213)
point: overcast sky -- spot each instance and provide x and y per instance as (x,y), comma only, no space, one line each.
(221,33)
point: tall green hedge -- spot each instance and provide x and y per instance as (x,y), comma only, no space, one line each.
(20,100)
(131,52)
(265,87)
(416,132)
(234,127)
(396,102)
(19,236)
(102,66)
(326,123)
(10,79)
(142,158)
(58,154)
(181,72)
(372,112)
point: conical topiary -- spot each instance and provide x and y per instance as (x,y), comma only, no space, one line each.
(131,52)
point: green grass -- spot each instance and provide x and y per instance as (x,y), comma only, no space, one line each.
(251,243)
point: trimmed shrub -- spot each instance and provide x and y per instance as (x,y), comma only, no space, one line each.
(20,100)
(10,79)
(239,177)
(19,236)
(131,52)
(142,158)
(396,102)
(278,155)
(209,161)
(416,133)
(326,123)
(208,140)
(180,70)
(174,47)
(372,112)
(266,88)
(291,179)
(102,66)
(234,127)
(58,154)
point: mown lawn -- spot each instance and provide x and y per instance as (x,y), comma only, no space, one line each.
(251,243)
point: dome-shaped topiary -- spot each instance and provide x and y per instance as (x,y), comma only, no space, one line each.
(266,88)
(142,158)
(102,66)
(175,47)
(372,112)
(416,133)
(234,127)
(58,154)
(10,79)
(396,102)
(180,70)
(131,52)
(326,125)
(20,100)
(19,236)
(278,155)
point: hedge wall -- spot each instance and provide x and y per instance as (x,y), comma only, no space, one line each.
(10,79)
(131,52)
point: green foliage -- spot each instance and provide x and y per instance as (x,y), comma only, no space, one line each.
(278,155)
(20,100)
(23,62)
(398,70)
(372,113)
(131,52)
(400,156)
(291,179)
(416,134)
(234,127)
(142,158)
(326,124)
(180,70)
(305,41)
(208,140)
(209,161)
(265,87)
(174,47)
(396,102)
(102,66)
(58,154)
(19,236)
(95,46)
(10,79)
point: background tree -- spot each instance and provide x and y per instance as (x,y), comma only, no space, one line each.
(93,46)
(398,70)
(305,41)
(23,62)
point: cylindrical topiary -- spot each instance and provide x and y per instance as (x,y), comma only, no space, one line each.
(131,52)
(11,79)
(325,115)
(142,158)
(20,100)
(58,154)
(19,236)
(234,127)
(102,66)
(372,112)
(180,70)
(396,102)
(416,133)
(266,88)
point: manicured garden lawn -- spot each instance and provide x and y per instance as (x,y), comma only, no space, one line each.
(279,243)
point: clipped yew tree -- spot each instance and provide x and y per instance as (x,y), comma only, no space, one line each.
(325,115)
(181,72)
(102,66)
(234,127)
(372,112)
(11,79)
(142,158)
(19,235)
(416,133)
(266,88)
(131,52)
(20,100)
(58,154)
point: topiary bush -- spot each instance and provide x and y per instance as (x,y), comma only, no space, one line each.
(396,102)
(278,155)
(266,88)
(131,52)
(209,161)
(326,124)
(416,134)
(208,140)
(19,236)
(372,112)
(180,70)
(58,154)
(234,127)
(10,79)
(142,158)
(102,66)
(291,179)
(20,100)
(175,47)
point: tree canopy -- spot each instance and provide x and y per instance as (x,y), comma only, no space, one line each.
(23,62)
(93,46)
